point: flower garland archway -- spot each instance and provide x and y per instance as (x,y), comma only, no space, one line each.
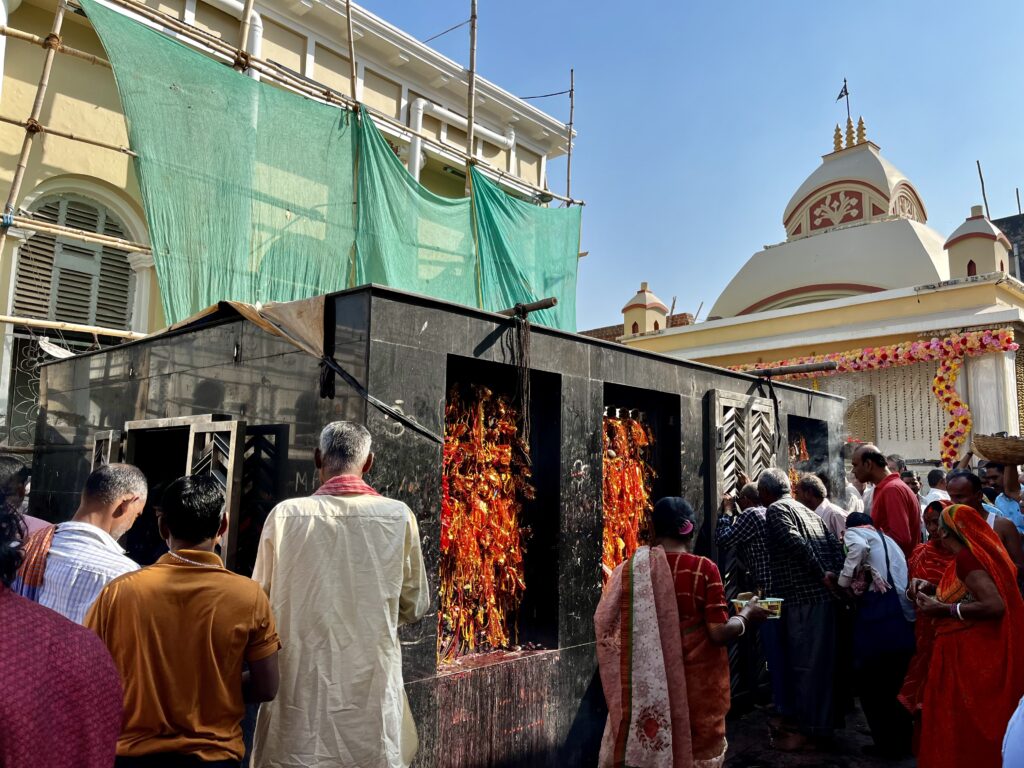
(948,352)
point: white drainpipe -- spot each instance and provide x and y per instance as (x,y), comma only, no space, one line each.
(419,107)
(254,45)
(7,7)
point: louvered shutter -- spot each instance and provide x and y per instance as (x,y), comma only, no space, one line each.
(69,281)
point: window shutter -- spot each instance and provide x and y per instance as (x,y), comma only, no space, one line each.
(68,281)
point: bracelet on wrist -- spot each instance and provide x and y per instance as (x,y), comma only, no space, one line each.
(958,615)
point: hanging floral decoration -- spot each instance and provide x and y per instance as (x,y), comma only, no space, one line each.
(485,480)
(628,477)
(949,352)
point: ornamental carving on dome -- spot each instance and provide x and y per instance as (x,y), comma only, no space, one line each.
(905,207)
(834,209)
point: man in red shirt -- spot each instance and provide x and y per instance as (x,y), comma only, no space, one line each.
(894,507)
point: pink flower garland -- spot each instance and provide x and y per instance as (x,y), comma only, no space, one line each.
(948,352)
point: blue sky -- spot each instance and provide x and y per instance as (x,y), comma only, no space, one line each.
(698,120)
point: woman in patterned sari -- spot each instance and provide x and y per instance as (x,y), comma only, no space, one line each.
(976,676)
(927,563)
(662,628)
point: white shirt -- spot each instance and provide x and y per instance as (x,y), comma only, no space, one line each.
(834,517)
(343,573)
(935,494)
(863,544)
(868,495)
(82,560)
(854,502)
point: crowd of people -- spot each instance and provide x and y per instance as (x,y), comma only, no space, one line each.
(909,602)
(109,664)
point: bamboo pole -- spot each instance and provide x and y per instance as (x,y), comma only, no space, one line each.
(39,128)
(17,34)
(312,89)
(36,225)
(353,78)
(568,154)
(54,325)
(53,40)
(471,98)
(984,197)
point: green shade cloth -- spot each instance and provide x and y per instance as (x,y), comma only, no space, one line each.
(408,237)
(526,253)
(249,194)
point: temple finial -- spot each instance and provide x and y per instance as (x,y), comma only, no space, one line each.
(849,133)
(837,139)
(862,132)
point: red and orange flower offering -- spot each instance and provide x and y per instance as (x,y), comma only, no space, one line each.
(628,478)
(485,480)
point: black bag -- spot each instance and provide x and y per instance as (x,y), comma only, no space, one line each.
(880,626)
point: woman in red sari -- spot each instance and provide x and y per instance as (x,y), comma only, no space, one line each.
(975,677)
(927,563)
(664,667)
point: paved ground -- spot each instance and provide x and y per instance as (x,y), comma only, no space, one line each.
(749,747)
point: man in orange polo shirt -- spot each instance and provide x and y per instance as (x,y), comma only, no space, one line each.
(180,632)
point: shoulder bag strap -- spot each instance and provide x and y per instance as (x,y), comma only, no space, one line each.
(888,568)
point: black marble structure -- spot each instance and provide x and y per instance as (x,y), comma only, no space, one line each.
(538,707)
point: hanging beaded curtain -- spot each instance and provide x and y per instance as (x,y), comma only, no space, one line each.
(486,478)
(628,481)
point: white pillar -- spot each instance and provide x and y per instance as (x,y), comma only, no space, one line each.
(7,7)
(142,269)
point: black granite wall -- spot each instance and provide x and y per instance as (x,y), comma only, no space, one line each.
(541,707)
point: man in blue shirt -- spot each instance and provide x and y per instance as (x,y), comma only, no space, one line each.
(1006,482)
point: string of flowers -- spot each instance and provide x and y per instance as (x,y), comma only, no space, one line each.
(949,352)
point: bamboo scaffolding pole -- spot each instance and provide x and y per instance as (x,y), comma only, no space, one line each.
(471,99)
(46,227)
(39,128)
(28,37)
(352,76)
(53,40)
(568,133)
(313,89)
(55,325)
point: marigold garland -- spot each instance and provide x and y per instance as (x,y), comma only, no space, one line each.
(627,488)
(485,479)
(948,352)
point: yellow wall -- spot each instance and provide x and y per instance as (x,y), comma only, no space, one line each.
(528,165)
(986,255)
(876,315)
(332,69)
(283,46)
(381,93)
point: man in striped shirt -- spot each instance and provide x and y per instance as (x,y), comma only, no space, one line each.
(66,567)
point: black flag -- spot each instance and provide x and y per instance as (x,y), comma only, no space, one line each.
(843,92)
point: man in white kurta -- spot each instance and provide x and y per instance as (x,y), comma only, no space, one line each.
(343,569)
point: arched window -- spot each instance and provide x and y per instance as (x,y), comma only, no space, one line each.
(1001,268)
(657,325)
(972,268)
(636,327)
(71,281)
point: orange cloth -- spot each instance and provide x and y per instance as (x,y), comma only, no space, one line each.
(178,634)
(976,676)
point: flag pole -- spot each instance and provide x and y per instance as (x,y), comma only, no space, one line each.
(848,118)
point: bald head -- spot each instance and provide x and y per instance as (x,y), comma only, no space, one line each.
(869,464)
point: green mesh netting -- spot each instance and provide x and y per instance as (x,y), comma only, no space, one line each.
(238,205)
(408,237)
(248,191)
(526,253)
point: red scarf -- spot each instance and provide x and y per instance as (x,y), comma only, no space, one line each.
(344,485)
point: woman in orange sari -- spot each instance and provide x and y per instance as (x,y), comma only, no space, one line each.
(927,563)
(975,677)
(662,628)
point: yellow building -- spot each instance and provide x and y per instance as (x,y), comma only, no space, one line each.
(48,276)
(863,280)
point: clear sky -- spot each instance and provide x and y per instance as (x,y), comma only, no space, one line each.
(698,120)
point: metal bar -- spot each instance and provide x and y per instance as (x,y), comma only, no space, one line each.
(351,49)
(17,34)
(787,370)
(568,143)
(471,98)
(39,128)
(54,325)
(524,309)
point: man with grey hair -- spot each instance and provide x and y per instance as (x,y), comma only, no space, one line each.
(811,492)
(805,558)
(68,565)
(344,570)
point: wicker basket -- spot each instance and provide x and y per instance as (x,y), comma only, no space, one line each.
(1004,450)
